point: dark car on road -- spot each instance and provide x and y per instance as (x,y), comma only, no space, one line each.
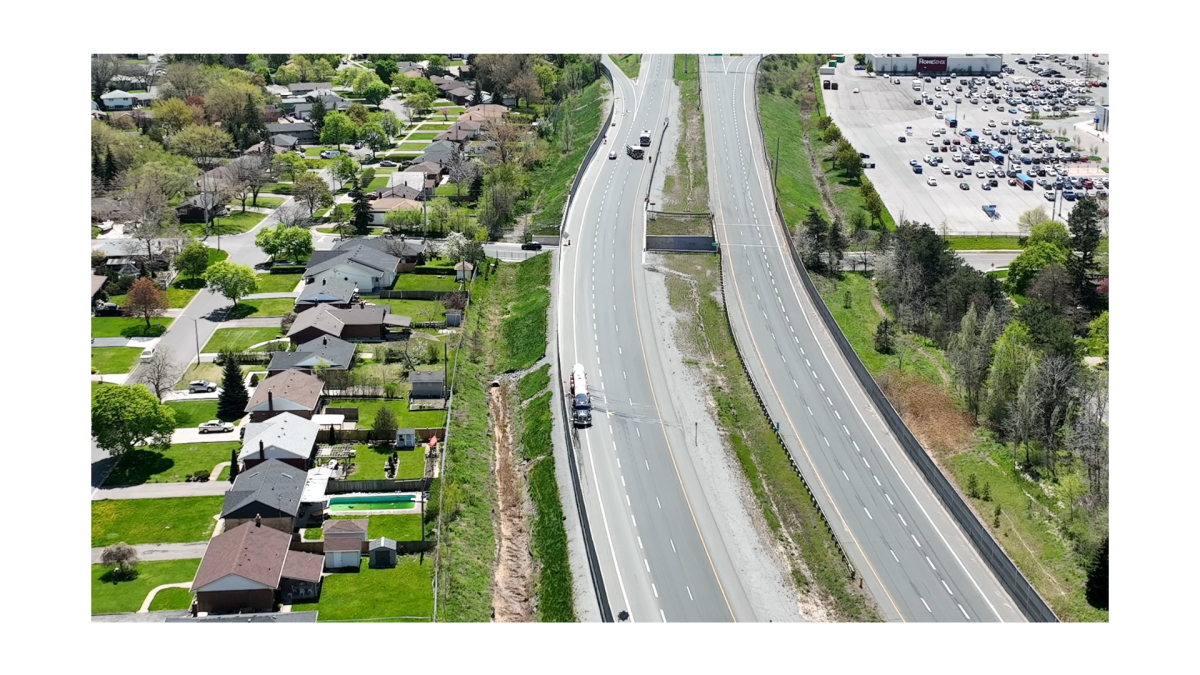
(531,246)
(108,309)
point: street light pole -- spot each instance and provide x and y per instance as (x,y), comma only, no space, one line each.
(196,326)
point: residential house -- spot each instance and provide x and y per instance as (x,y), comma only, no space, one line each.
(461,94)
(291,391)
(287,104)
(328,351)
(199,208)
(285,141)
(145,98)
(287,437)
(302,131)
(427,384)
(478,148)
(368,268)
(488,111)
(250,569)
(327,290)
(464,271)
(381,553)
(406,439)
(407,250)
(301,88)
(409,66)
(329,98)
(269,491)
(360,323)
(118,100)
(97,287)
(381,207)
(455,135)
(438,152)
(403,191)
(344,542)
(95,106)
(226,174)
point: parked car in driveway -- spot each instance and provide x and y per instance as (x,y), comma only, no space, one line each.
(108,309)
(201,387)
(215,426)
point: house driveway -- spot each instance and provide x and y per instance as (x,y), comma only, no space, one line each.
(263,296)
(163,490)
(155,552)
(183,395)
(194,436)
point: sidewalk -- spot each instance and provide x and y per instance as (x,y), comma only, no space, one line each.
(194,436)
(155,552)
(163,490)
(253,322)
(264,296)
(125,342)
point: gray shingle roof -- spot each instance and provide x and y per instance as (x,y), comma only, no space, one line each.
(333,351)
(426,376)
(270,489)
(361,255)
(327,288)
(289,127)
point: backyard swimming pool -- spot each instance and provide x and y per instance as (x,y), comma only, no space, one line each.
(356,503)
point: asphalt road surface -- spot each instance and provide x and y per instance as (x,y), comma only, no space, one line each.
(661,556)
(913,558)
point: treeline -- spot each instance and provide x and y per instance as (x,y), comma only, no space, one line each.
(1019,365)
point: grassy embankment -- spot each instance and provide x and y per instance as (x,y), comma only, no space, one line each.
(685,187)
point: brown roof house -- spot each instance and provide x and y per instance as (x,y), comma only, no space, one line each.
(382,206)
(250,569)
(359,323)
(285,437)
(344,542)
(291,391)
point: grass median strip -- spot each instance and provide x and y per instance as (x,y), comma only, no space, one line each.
(815,563)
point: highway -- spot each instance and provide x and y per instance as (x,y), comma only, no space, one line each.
(661,556)
(912,557)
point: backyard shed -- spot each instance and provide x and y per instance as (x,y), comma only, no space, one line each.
(342,552)
(381,553)
(406,439)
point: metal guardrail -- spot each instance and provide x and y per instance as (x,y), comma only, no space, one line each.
(1031,603)
(589,545)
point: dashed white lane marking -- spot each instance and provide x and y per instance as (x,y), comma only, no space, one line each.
(828,401)
(689,590)
(914,538)
(639,432)
(646,563)
(844,474)
(622,481)
(839,416)
(877,480)
(856,446)
(826,441)
(960,608)
(901,519)
(926,605)
(844,428)
(618,462)
(868,513)
(864,459)
(809,410)
(889,498)
(640,544)
(673,546)
(627,501)
(947,587)
(822,388)
(634,520)
(930,563)
(893,555)
(659,503)
(663,615)
(654,588)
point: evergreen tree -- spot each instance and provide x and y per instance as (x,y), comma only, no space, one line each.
(362,212)
(317,116)
(110,167)
(97,167)
(835,246)
(1084,223)
(233,464)
(817,231)
(231,403)
(884,343)
(1097,581)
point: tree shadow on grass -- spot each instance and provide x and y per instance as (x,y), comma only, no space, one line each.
(136,467)
(115,576)
(155,330)
(188,284)
(241,311)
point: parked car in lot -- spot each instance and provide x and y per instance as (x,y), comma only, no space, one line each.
(958,173)
(329,154)
(945,171)
(1049,195)
(215,426)
(902,139)
(201,387)
(985,186)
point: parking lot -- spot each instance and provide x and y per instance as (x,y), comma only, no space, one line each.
(875,118)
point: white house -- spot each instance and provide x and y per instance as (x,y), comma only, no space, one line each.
(362,265)
(118,100)
(286,437)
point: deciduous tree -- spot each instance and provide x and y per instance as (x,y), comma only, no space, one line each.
(337,129)
(124,556)
(125,418)
(343,168)
(1028,220)
(289,164)
(146,300)
(104,68)
(171,114)
(1031,261)
(312,191)
(204,145)
(192,260)
(161,372)
(970,352)
(283,242)
(231,280)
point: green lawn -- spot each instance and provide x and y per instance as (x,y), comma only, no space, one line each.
(997,243)
(277,188)
(181,291)
(419,310)
(262,307)
(95,232)
(115,360)
(426,282)
(266,202)
(313,534)
(413,146)
(171,466)
(189,414)
(154,521)
(128,596)
(371,460)
(434,126)
(211,372)
(238,339)
(235,223)
(523,330)
(404,591)
(334,230)
(534,383)
(128,326)
(421,136)
(171,598)
(367,409)
(629,63)
(384,170)
(399,528)
(796,187)
(378,183)
(278,283)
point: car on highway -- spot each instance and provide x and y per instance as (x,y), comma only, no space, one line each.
(612,155)
(201,386)
(855,90)
(945,171)
(931,181)
(387,162)
(985,186)
(531,246)
(215,426)
(964,186)
(902,139)
(980,174)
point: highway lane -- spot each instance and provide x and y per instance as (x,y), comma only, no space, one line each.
(642,493)
(913,558)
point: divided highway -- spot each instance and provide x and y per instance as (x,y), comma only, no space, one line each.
(660,554)
(912,556)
